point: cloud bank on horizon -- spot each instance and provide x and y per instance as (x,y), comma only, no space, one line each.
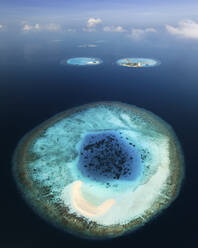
(184,29)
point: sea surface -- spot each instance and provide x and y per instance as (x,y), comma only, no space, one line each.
(34,87)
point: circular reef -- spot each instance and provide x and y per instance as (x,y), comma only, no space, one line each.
(138,62)
(99,170)
(81,61)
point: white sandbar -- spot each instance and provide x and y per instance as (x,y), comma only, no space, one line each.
(85,207)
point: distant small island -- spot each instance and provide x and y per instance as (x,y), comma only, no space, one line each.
(93,62)
(132,64)
(81,61)
(137,62)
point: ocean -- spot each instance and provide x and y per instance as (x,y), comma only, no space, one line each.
(34,86)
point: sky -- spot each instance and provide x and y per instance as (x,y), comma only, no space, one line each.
(111,10)
(136,19)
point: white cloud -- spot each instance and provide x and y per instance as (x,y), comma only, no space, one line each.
(27,27)
(186,29)
(92,22)
(89,29)
(2,27)
(53,27)
(114,29)
(38,27)
(71,30)
(138,33)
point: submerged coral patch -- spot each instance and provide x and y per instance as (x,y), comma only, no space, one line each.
(99,170)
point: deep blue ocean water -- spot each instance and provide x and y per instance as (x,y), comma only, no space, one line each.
(34,87)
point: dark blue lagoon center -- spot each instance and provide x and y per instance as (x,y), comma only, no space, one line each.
(107,156)
(81,61)
(138,62)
